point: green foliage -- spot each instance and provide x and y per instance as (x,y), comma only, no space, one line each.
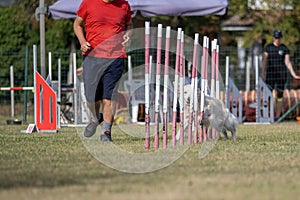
(59,34)
(277,17)
(14,34)
(19,28)
(237,6)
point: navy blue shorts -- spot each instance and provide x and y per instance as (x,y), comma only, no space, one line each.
(101,77)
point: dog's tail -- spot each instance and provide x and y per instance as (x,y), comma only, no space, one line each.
(232,122)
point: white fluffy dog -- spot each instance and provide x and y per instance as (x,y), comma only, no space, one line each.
(218,117)
(215,114)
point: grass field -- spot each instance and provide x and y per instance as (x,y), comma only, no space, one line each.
(264,163)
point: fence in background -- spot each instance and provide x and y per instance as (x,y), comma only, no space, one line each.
(22,62)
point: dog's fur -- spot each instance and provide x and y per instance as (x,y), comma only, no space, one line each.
(218,117)
(215,114)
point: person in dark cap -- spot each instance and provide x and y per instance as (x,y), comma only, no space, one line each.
(275,67)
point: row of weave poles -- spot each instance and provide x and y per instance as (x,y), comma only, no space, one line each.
(194,133)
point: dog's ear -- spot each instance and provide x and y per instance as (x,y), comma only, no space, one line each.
(207,100)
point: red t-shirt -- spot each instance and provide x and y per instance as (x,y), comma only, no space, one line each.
(104,26)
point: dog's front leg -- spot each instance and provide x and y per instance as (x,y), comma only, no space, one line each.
(233,134)
(225,133)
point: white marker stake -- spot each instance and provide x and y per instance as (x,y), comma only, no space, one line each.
(227,103)
(50,65)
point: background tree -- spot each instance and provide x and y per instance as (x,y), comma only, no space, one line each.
(276,14)
(19,28)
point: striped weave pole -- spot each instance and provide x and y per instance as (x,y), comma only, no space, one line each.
(166,81)
(195,97)
(181,88)
(192,102)
(213,67)
(157,87)
(202,89)
(206,67)
(175,93)
(213,132)
(147,89)
(217,74)
(204,84)
(206,80)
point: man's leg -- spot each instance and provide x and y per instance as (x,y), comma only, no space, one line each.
(96,119)
(92,86)
(94,107)
(108,120)
(107,110)
(96,110)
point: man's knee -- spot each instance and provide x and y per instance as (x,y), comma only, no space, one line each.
(106,102)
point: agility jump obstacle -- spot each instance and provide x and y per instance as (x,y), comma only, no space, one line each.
(47,97)
(46,105)
(56,114)
(45,101)
(12,88)
(45,118)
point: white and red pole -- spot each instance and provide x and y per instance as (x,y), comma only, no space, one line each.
(175,93)
(213,68)
(157,86)
(16,88)
(195,93)
(204,64)
(217,73)
(192,100)
(181,88)
(147,89)
(166,81)
(202,90)
(206,80)
(213,80)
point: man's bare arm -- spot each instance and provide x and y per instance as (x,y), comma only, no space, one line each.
(128,33)
(78,30)
(288,64)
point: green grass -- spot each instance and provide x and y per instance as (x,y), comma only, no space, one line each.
(264,163)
